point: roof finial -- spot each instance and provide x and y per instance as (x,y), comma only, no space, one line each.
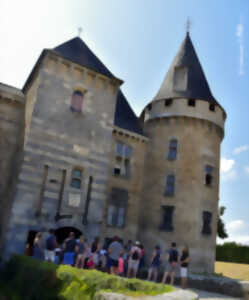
(79,31)
(188,25)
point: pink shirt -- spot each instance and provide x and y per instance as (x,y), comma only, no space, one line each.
(120,265)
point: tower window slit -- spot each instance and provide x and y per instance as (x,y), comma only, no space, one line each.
(191,102)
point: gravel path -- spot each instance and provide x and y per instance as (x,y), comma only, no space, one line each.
(212,296)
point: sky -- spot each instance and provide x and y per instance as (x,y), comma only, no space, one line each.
(137,40)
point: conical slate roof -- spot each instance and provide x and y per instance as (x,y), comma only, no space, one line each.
(191,77)
(77,51)
(124,115)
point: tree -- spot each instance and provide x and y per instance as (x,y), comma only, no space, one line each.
(221,230)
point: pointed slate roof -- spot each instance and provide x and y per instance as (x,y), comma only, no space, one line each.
(124,115)
(77,51)
(197,85)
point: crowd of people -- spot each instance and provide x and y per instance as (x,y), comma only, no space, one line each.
(113,256)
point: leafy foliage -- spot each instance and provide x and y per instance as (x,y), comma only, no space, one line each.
(221,230)
(232,252)
(29,279)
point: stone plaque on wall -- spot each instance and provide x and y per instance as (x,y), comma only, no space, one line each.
(74,200)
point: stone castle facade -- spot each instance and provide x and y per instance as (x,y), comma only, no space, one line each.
(75,156)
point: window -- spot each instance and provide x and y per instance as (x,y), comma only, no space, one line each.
(167,218)
(122,160)
(76,101)
(76,178)
(170,186)
(208,175)
(180,78)
(117,208)
(191,102)
(172,149)
(207,219)
(150,106)
(168,102)
(211,107)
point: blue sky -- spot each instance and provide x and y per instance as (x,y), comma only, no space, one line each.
(137,40)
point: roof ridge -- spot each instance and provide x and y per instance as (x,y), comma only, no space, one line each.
(76,50)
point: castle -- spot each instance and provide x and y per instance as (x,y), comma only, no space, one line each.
(74,156)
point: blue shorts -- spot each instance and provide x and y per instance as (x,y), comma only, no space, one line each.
(68,258)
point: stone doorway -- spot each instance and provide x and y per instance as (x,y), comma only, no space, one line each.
(63,232)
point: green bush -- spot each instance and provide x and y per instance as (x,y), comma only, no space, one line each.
(232,252)
(27,278)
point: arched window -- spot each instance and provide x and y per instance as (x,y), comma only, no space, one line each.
(172,149)
(77,101)
(170,186)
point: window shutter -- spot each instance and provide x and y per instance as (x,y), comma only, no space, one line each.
(121,215)
(170,185)
(172,150)
(110,214)
(119,149)
(128,151)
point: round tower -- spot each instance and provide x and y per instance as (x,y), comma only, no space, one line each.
(185,127)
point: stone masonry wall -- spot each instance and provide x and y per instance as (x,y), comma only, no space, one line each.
(63,140)
(133,184)
(198,145)
(11,146)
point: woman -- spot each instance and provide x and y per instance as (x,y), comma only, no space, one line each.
(80,249)
(184,261)
(38,252)
(155,264)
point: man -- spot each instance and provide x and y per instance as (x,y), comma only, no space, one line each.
(173,259)
(114,250)
(69,249)
(134,259)
(51,245)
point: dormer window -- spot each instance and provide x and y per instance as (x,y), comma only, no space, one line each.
(180,78)
(77,101)
(211,107)
(191,102)
(168,102)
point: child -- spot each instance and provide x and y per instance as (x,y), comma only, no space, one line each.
(90,263)
(121,265)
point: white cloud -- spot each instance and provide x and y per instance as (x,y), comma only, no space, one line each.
(227,171)
(238,231)
(226,165)
(239,239)
(240,35)
(240,149)
(237,226)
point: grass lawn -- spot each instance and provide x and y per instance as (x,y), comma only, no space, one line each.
(232,270)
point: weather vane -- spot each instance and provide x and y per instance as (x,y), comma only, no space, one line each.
(188,25)
(79,31)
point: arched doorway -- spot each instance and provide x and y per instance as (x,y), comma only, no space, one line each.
(63,232)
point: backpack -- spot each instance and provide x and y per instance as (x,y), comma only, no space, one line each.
(135,255)
(50,243)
